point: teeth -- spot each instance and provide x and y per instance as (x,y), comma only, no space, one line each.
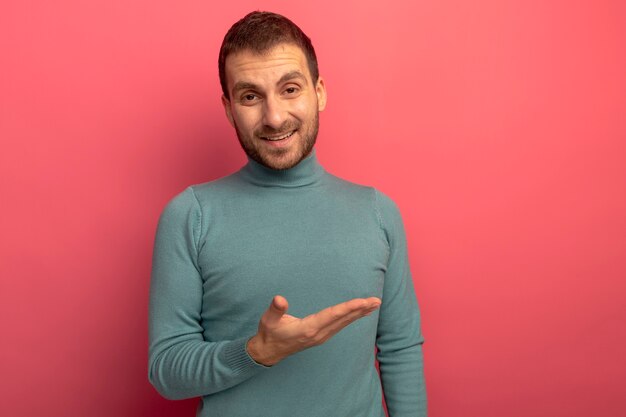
(286,135)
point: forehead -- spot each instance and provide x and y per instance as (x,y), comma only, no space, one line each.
(266,67)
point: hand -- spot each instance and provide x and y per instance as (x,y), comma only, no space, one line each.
(280,335)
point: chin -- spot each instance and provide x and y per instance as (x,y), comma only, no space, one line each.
(281,165)
(282,162)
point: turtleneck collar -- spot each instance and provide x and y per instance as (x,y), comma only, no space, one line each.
(307,172)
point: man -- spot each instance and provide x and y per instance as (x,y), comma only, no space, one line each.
(334,251)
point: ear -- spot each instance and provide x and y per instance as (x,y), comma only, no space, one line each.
(229,114)
(320,90)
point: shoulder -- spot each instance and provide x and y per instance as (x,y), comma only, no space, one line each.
(180,204)
(390,219)
(196,196)
(385,208)
(350,190)
(380,201)
(190,202)
(388,209)
(182,213)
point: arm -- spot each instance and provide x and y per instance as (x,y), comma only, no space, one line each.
(399,338)
(181,363)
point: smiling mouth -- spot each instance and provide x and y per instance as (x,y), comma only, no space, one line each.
(277,138)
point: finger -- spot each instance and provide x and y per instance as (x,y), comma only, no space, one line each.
(355,315)
(359,303)
(280,303)
(278,307)
(330,329)
(344,321)
(375,302)
(355,305)
(356,308)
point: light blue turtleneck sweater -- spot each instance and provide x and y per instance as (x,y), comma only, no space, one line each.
(224,248)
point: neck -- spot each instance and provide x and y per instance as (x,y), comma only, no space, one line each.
(306,172)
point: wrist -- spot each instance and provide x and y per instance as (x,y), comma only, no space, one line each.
(256,351)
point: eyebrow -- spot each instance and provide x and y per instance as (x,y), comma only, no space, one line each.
(291,76)
(245,85)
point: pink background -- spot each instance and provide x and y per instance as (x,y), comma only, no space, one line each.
(499,127)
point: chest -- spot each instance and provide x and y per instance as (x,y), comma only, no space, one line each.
(315,253)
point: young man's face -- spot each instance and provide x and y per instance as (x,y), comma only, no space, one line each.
(273,104)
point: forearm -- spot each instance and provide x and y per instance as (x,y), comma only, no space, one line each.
(402,377)
(401,359)
(192,368)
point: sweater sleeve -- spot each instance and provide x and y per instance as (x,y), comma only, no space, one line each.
(181,363)
(399,338)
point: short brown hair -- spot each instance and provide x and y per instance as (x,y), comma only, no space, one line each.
(260,32)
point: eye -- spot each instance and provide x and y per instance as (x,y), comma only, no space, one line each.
(249,98)
(291,90)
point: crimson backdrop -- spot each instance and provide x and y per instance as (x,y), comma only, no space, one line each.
(498,126)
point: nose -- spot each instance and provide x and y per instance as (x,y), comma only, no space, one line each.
(274,114)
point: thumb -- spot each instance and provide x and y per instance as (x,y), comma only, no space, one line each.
(277,308)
